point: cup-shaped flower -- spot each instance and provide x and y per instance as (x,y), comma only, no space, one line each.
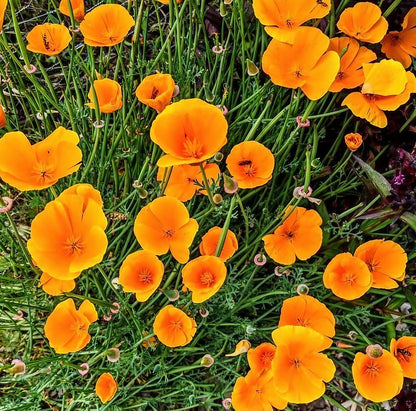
(156,91)
(164,225)
(377,379)
(68,235)
(3,119)
(189,131)
(347,276)
(251,164)
(363,22)
(109,95)
(77,6)
(106,25)
(53,286)
(299,368)
(210,240)
(353,141)
(3,5)
(404,349)
(386,260)
(66,328)
(204,276)
(38,166)
(50,39)
(141,273)
(173,327)
(260,358)
(300,235)
(304,62)
(106,387)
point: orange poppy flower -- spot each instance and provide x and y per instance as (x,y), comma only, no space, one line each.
(77,8)
(404,349)
(167,1)
(352,58)
(68,235)
(400,45)
(282,17)
(38,166)
(299,236)
(106,25)
(173,327)
(53,286)
(108,95)
(377,379)
(260,358)
(156,91)
(204,276)
(386,260)
(66,328)
(106,387)
(209,242)
(299,368)
(185,180)
(3,120)
(364,22)
(251,164)
(308,312)
(353,141)
(189,131)
(164,225)
(48,38)
(141,273)
(3,5)
(288,65)
(386,87)
(347,276)
(256,392)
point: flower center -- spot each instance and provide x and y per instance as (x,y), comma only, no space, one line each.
(73,246)
(145,276)
(296,362)
(267,357)
(207,279)
(169,233)
(175,325)
(192,147)
(350,278)
(404,354)
(155,93)
(372,369)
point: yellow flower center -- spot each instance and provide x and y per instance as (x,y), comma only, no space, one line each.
(207,279)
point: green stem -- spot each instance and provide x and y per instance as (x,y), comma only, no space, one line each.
(391,8)
(225,228)
(18,34)
(207,187)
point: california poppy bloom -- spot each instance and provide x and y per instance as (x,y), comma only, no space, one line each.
(313,72)
(260,358)
(167,1)
(53,286)
(189,131)
(251,164)
(401,45)
(173,327)
(299,236)
(68,235)
(347,276)
(404,349)
(108,95)
(77,8)
(3,120)
(386,260)
(3,5)
(164,225)
(106,25)
(156,91)
(38,166)
(353,141)
(106,387)
(50,39)
(299,368)
(377,379)
(204,276)
(66,328)
(364,22)
(141,273)
(209,243)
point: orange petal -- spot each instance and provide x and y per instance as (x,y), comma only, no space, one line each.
(241,347)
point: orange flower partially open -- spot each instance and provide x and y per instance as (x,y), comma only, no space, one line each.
(364,22)
(386,260)
(304,62)
(106,25)
(68,235)
(106,387)
(164,225)
(173,327)
(3,120)
(77,8)
(38,166)
(299,236)
(53,286)
(298,367)
(241,347)
(141,273)
(50,39)
(156,91)
(108,95)
(404,349)
(260,358)
(377,379)
(353,141)
(3,5)
(66,328)
(204,276)
(189,131)
(209,243)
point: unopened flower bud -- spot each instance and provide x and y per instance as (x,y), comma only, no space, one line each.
(374,351)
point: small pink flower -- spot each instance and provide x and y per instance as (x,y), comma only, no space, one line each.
(299,192)
(226,403)
(19,367)
(84,368)
(218,49)
(117,309)
(8,203)
(307,123)
(113,354)
(277,271)
(203,312)
(207,361)
(260,259)
(107,317)
(18,316)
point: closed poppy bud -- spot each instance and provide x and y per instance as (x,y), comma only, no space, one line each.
(108,95)
(241,347)
(3,5)
(106,387)
(77,8)
(3,120)
(50,39)
(353,141)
